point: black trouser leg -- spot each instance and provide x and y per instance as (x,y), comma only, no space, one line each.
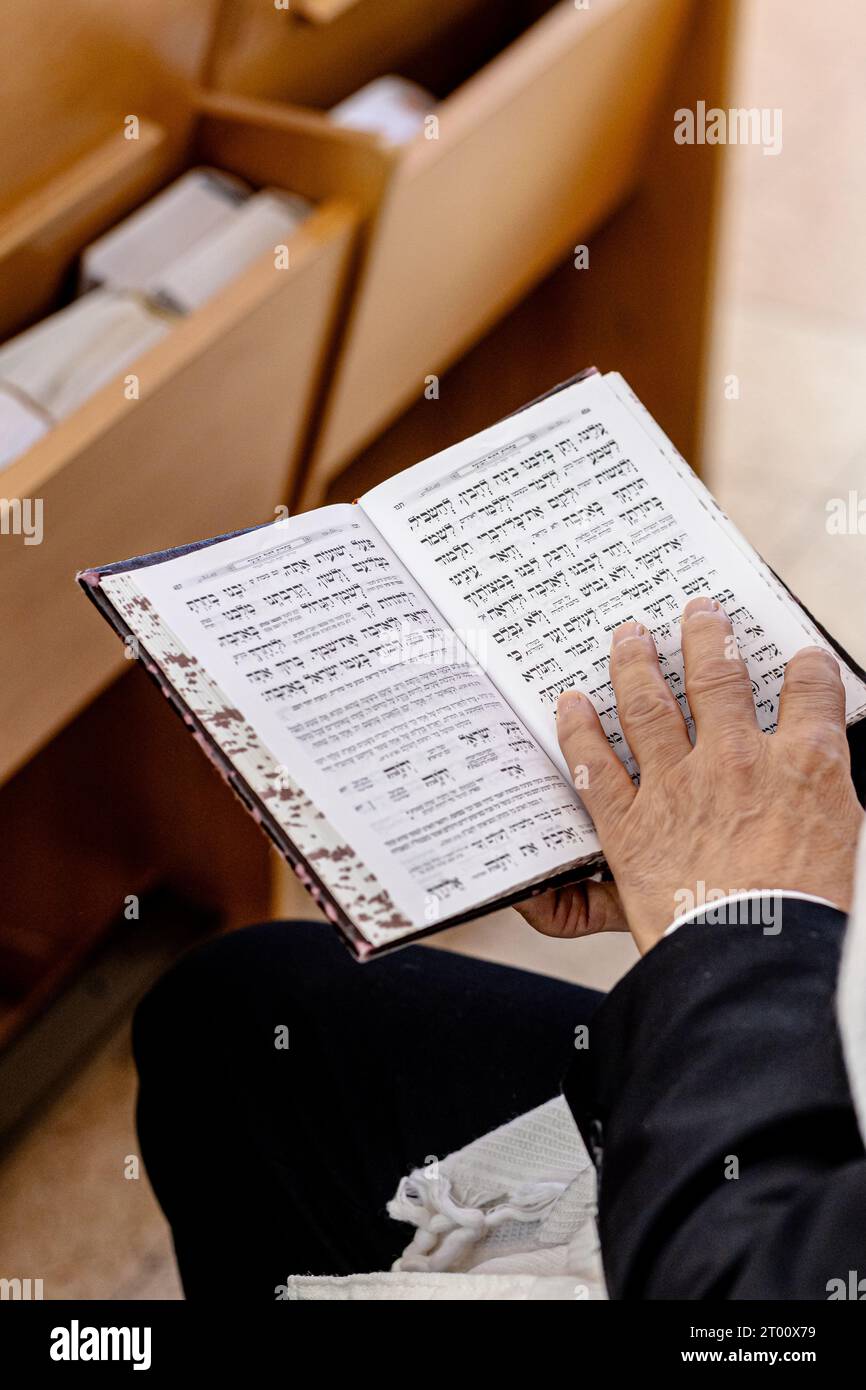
(271,1161)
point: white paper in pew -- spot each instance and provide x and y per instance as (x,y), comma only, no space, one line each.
(260,224)
(129,255)
(63,360)
(392,107)
(20,426)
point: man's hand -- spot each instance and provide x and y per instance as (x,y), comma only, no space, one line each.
(739,811)
(581,909)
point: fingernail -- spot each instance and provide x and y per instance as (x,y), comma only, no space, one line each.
(571,702)
(827,658)
(701,605)
(627,631)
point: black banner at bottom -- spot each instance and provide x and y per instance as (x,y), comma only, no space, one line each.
(166,1339)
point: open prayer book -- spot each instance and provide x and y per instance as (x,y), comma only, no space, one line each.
(378,681)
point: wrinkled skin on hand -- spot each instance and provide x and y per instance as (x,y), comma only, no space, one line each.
(739,811)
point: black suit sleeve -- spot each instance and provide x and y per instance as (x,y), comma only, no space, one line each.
(714,1100)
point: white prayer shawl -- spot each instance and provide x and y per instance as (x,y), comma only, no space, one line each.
(512,1215)
(851,994)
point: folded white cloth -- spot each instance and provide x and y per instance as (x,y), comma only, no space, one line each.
(520,1199)
(427,1288)
(510,1216)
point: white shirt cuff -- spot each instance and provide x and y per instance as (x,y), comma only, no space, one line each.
(745,897)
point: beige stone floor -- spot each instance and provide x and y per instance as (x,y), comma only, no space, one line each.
(791,325)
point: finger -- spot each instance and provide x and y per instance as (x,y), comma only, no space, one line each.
(648,712)
(600,779)
(812,702)
(579,909)
(718,685)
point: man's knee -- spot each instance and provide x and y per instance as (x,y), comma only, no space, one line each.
(215,987)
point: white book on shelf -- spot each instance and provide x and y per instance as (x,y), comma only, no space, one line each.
(392,107)
(260,224)
(61,361)
(20,426)
(129,255)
